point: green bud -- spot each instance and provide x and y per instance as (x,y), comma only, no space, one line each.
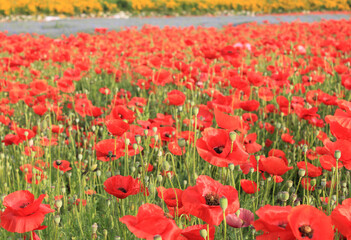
(57,219)
(337,154)
(290,183)
(232,136)
(94,228)
(58,203)
(223,202)
(284,196)
(157,237)
(313,182)
(324,182)
(231,166)
(203,233)
(181,142)
(159,178)
(302,172)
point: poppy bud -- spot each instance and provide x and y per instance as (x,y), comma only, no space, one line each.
(159,178)
(135,146)
(293,197)
(313,182)
(154,129)
(196,111)
(57,219)
(231,166)
(323,182)
(138,138)
(58,203)
(127,141)
(94,227)
(185,182)
(93,167)
(290,183)
(223,202)
(146,132)
(203,233)
(232,136)
(302,172)
(117,238)
(343,184)
(157,237)
(337,154)
(181,142)
(98,173)
(105,233)
(166,166)
(284,196)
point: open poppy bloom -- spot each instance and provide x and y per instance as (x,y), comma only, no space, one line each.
(109,149)
(216,148)
(341,218)
(117,127)
(193,232)
(273,221)
(171,196)
(202,200)
(307,222)
(23,213)
(122,186)
(151,221)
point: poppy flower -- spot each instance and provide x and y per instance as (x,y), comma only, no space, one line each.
(10,139)
(308,222)
(312,170)
(117,127)
(24,134)
(23,212)
(245,218)
(122,186)
(341,219)
(40,109)
(274,165)
(225,121)
(193,232)
(171,196)
(62,165)
(150,221)
(216,148)
(248,186)
(273,222)
(109,149)
(250,143)
(328,162)
(122,112)
(202,200)
(175,97)
(250,105)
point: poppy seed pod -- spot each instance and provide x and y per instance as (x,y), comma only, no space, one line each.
(337,154)
(203,233)
(302,172)
(223,202)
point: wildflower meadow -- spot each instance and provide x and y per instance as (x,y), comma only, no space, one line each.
(240,132)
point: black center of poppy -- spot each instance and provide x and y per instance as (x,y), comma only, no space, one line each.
(282,225)
(212,199)
(24,205)
(218,149)
(167,135)
(306,231)
(58,162)
(120,116)
(201,118)
(122,190)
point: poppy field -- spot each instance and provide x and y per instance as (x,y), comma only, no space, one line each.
(242,132)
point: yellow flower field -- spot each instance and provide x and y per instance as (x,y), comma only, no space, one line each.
(71,7)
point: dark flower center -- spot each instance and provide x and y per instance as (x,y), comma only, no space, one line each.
(212,199)
(201,118)
(58,162)
(168,135)
(282,225)
(122,190)
(24,205)
(306,231)
(218,149)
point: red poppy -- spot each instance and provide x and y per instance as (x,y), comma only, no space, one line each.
(62,165)
(24,134)
(273,221)
(250,105)
(40,109)
(175,149)
(344,146)
(122,112)
(23,213)
(117,127)
(248,186)
(202,200)
(274,165)
(312,170)
(10,139)
(227,122)
(216,148)
(175,97)
(109,149)
(193,233)
(250,143)
(171,196)
(122,186)
(341,218)
(328,162)
(150,221)
(308,222)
